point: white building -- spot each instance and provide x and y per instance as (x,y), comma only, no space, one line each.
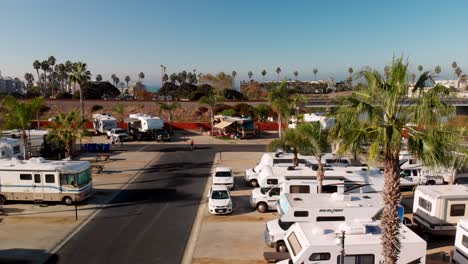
(9,85)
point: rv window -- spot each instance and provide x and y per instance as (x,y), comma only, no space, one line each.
(301,213)
(50,178)
(357,259)
(275,192)
(329,189)
(331,219)
(426,205)
(37,178)
(294,243)
(25,177)
(457,210)
(319,256)
(284,225)
(282,161)
(16,149)
(465,241)
(272,181)
(415,173)
(299,189)
(67,179)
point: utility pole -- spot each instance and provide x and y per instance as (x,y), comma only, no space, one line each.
(342,239)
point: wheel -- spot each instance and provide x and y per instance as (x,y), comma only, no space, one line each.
(254,183)
(2,199)
(431,182)
(67,200)
(262,207)
(281,247)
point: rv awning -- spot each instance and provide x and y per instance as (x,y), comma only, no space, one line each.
(223,124)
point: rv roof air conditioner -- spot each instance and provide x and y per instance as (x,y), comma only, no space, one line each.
(290,168)
(353,228)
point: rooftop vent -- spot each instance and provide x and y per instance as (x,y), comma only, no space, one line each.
(290,168)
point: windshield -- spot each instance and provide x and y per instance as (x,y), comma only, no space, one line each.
(265,189)
(108,124)
(154,123)
(219,195)
(223,174)
(84,177)
(285,225)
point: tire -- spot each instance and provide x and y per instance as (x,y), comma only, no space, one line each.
(254,183)
(67,200)
(281,247)
(3,199)
(262,207)
(430,182)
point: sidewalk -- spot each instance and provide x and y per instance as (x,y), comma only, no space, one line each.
(29,232)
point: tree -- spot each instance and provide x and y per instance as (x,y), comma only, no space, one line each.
(168,107)
(376,112)
(296,73)
(19,114)
(165,78)
(279,98)
(29,79)
(350,78)
(437,69)
(234,74)
(66,128)
(420,68)
(141,76)
(37,66)
(278,71)
(127,79)
(458,72)
(292,140)
(454,66)
(219,81)
(119,108)
(250,74)
(315,71)
(99,78)
(80,75)
(210,101)
(264,72)
(45,67)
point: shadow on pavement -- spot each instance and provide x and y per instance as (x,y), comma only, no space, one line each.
(26,256)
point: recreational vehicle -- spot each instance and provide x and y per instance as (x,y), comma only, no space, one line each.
(460,253)
(35,137)
(325,122)
(320,243)
(320,207)
(437,209)
(416,173)
(10,148)
(38,179)
(146,127)
(103,123)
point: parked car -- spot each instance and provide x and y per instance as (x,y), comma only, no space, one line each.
(223,176)
(123,135)
(219,200)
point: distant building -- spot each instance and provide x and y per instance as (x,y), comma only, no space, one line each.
(9,86)
(461,84)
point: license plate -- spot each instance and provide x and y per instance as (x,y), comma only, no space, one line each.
(220,210)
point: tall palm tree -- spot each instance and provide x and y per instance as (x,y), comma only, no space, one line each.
(233,74)
(376,111)
(420,69)
(454,66)
(168,107)
(210,101)
(113,77)
(141,76)
(29,77)
(19,114)
(278,71)
(250,74)
(37,66)
(280,98)
(315,71)
(61,74)
(264,72)
(350,77)
(80,75)
(458,72)
(291,140)
(437,69)
(66,128)
(99,78)
(127,79)
(296,73)
(45,67)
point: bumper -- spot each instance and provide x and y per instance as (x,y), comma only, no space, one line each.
(220,211)
(436,229)
(228,185)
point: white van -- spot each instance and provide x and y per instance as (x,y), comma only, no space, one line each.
(319,243)
(320,207)
(38,179)
(437,209)
(460,253)
(10,148)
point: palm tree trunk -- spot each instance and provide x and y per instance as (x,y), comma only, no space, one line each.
(25,143)
(39,79)
(212,118)
(81,104)
(279,126)
(69,150)
(320,176)
(296,160)
(390,220)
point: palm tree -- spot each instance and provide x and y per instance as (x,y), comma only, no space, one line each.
(458,72)
(29,77)
(45,67)
(168,107)
(279,98)
(141,76)
(350,78)
(127,79)
(250,74)
(61,74)
(278,71)
(233,74)
(454,66)
(19,114)
(66,128)
(80,75)
(437,69)
(210,101)
(264,72)
(119,108)
(420,69)
(291,140)
(296,73)
(376,112)
(315,71)
(37,66)
(315,143)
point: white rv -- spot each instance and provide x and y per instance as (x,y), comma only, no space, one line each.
(320,207)
(45,180)
(460,253)
(320,243)
(417,174)
(10,148)
(103,123)
(325,122)
(437,209)
(144,126)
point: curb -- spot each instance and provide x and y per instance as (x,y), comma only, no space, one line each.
(197,223)
(87,219)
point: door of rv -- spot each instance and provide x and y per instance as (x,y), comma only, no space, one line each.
(38,186)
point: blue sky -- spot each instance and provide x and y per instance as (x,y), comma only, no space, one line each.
(126,37)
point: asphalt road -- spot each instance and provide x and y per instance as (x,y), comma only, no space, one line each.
(151,220)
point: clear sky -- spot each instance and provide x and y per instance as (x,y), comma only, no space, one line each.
(126,37)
